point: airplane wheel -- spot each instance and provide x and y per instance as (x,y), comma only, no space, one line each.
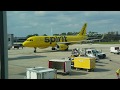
(53,48)
(66,49)
(35,51)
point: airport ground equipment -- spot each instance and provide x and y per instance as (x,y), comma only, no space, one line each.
(63,66)
(87,52)
(84,63)
(17,46)
(115,50)
(75,52)
(41,73)
(92,52)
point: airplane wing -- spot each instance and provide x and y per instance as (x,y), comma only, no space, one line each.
(92,40)
(69,43)
(75,42)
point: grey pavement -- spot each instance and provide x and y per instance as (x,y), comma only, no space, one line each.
(20,59)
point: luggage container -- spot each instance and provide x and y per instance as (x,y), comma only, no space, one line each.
(84,63)
(41,73)
(63,66)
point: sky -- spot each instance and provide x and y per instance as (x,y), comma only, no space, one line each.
(23,23)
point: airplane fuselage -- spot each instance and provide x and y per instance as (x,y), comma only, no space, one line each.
(49,41)
(56,42)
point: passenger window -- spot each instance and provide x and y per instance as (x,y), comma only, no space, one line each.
(31,40)
(8,39)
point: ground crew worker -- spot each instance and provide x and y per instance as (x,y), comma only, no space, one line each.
(118,73)
(76,52)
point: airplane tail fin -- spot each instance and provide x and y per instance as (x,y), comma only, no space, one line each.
(83,30)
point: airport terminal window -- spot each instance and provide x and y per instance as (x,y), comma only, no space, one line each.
(8,39)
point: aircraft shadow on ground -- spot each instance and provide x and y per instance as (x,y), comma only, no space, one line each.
(72,73)
(64,74)
(102,62)
(26,57)
(47,51)
(100,70)
(23,73)
(61,73)
(99,65)
(78,73)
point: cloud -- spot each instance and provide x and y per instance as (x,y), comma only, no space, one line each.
(101,13)
(110,12)
(103,21)
(26,27)
(73,25)
(64,18)
(90,13)
(41,13)
(61,21)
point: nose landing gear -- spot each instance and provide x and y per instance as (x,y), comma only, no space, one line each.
(34,49)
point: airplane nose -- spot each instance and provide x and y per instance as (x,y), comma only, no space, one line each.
(23,44)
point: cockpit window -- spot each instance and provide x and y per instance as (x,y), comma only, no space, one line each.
(29,39)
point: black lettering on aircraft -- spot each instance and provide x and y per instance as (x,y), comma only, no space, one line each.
(52,39)
(47,39)
(55,39)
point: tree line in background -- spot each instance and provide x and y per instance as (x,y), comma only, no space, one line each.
(108,37)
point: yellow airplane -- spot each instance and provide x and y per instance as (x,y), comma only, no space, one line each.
(56,42)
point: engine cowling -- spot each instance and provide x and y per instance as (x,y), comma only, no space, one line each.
(62,47)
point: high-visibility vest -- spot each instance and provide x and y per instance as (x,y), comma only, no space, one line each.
(118,71)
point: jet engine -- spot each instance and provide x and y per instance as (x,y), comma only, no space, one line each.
(62,47)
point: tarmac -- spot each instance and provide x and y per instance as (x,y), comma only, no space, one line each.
(20,59)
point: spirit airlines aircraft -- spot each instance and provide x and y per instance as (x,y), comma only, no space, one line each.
(56,42)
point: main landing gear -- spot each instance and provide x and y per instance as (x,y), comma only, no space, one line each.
(34,49)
